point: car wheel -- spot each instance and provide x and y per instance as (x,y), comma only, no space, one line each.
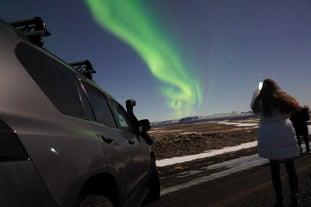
(95,201)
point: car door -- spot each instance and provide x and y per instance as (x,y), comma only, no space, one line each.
(118,149)
(139,148)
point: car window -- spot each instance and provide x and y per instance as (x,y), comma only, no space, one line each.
(121,116)
(99,105)
(55,80)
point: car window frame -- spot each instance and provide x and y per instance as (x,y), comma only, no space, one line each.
(25,48)
(115,105)
(112,104)
(85,84)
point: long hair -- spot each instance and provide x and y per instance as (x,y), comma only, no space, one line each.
(272,96)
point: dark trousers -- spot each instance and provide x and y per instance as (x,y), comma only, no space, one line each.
(276,177)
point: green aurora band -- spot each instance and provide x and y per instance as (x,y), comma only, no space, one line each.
(127,20)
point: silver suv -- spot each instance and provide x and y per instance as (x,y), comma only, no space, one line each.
(64,141)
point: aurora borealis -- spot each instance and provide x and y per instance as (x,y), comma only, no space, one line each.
(129,21)
(180,58)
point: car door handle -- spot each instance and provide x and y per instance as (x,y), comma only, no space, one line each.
(131,141)
(106,139)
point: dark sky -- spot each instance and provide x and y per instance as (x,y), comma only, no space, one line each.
(178,57)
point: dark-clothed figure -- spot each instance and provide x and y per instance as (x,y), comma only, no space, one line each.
(299,120)
(276,135)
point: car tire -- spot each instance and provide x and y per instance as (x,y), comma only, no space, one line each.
(95,201)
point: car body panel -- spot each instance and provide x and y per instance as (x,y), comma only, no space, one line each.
(18,179)
(65,151)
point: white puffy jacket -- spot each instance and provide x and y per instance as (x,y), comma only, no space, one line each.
(276,136)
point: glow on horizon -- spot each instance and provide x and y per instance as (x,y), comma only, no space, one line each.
(128,21)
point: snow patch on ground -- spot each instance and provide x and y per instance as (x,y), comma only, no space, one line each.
(185,133)
(239,124)
(187,158)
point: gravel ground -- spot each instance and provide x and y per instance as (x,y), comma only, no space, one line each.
(187,139)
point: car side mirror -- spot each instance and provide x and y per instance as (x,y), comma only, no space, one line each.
(144,125)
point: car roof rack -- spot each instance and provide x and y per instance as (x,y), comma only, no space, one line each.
(84,67)
(34,29)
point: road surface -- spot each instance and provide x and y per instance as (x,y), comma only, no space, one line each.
(244,182)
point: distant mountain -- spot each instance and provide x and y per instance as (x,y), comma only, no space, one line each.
(214,117)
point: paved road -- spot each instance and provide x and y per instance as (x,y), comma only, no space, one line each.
(244,188)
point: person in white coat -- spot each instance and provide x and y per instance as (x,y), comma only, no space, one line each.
(276,135)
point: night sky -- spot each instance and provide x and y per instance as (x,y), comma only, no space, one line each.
(181,58)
